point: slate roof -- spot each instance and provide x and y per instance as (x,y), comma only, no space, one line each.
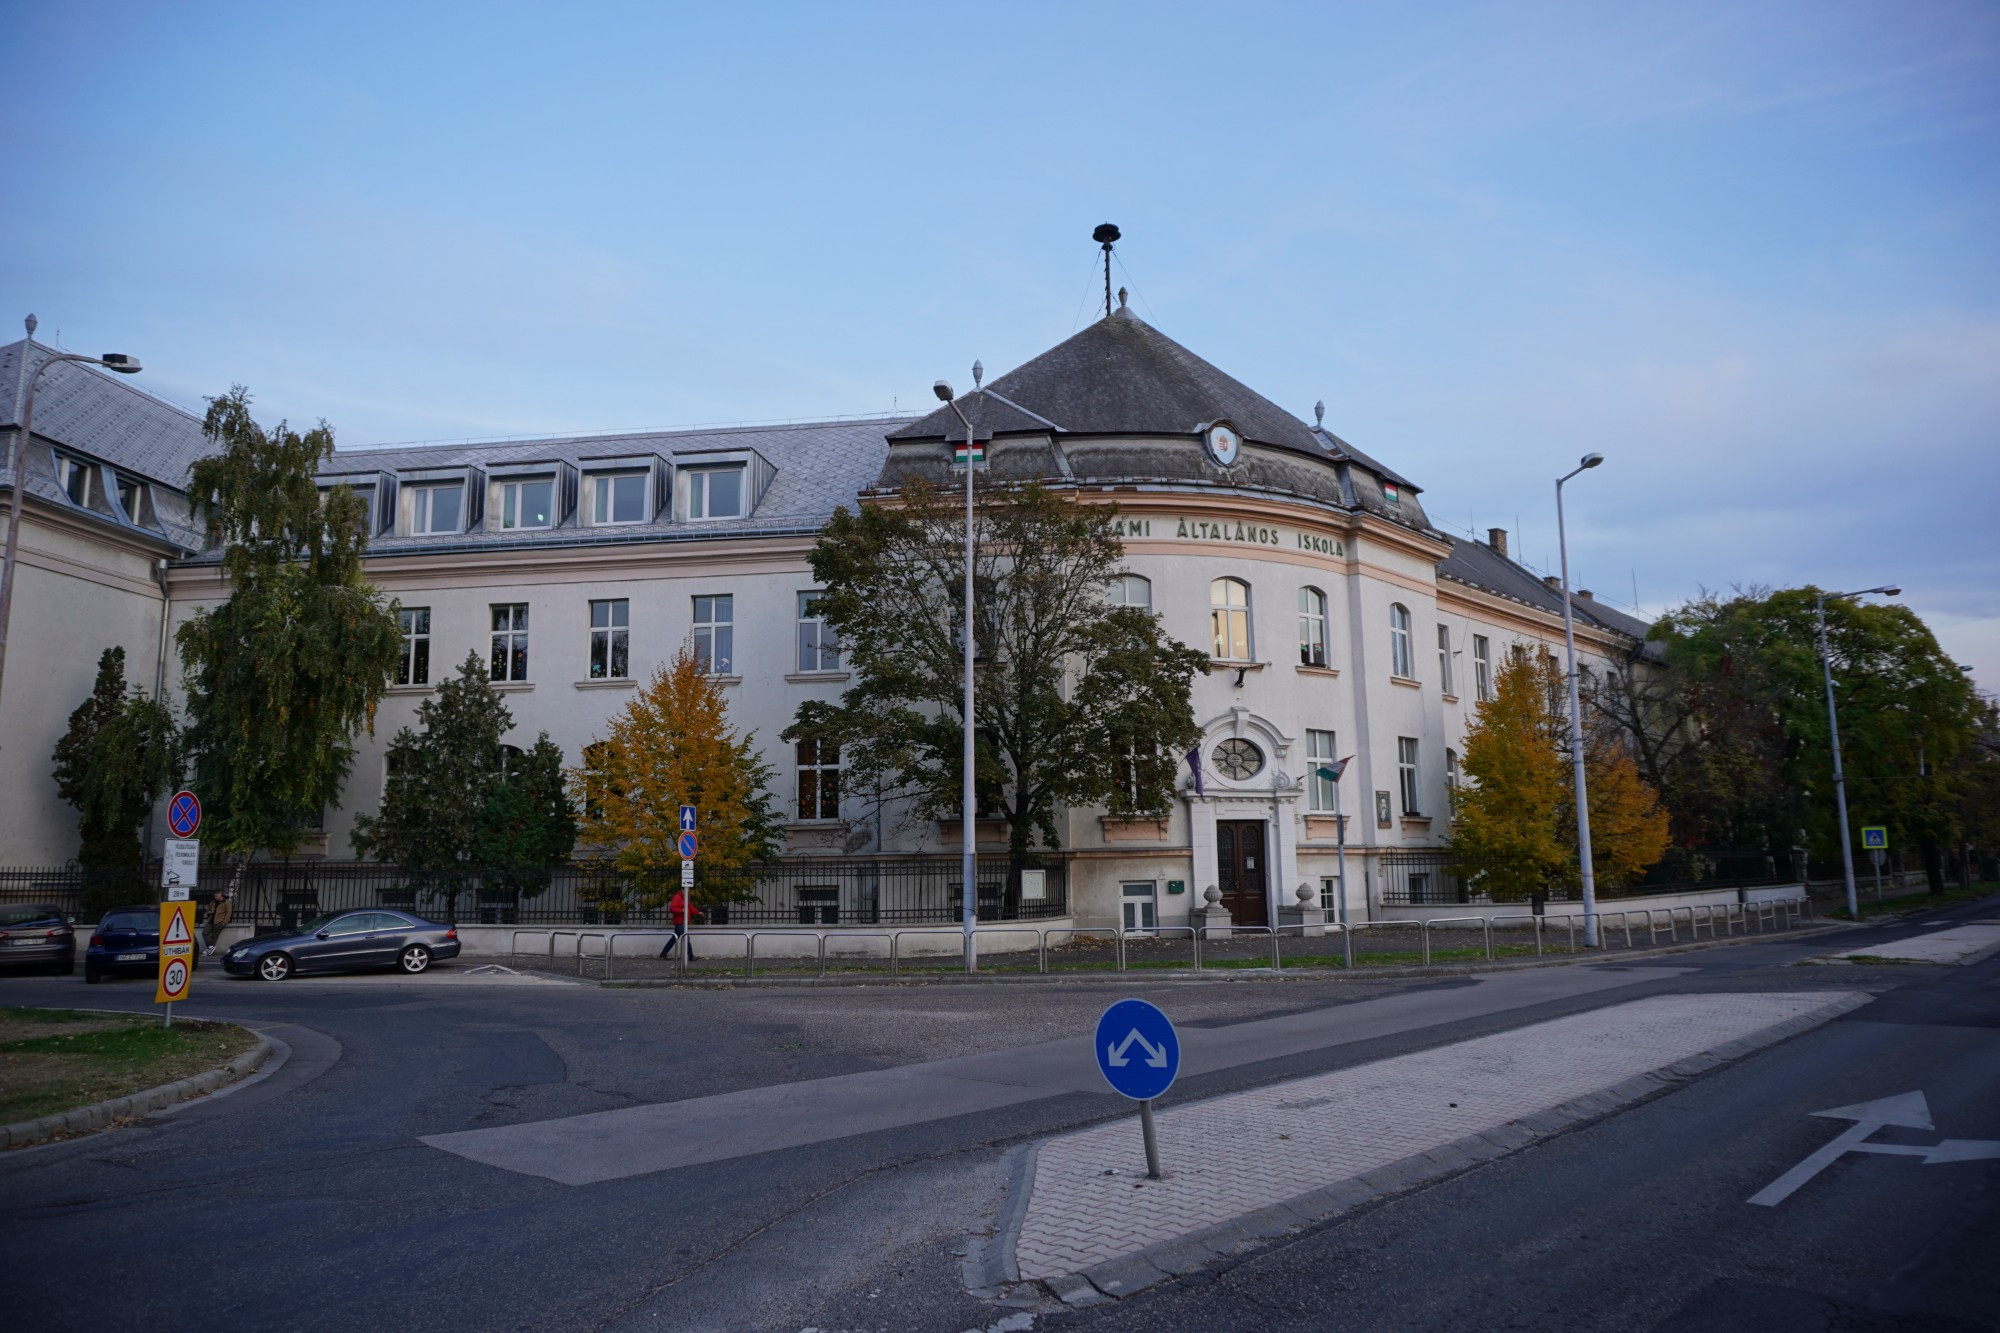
(819,465)
(105,416)
(1478,565)
(1120,376)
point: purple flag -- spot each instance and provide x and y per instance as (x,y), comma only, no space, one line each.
(1194,762)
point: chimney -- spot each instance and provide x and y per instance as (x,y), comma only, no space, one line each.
(1554,583)
(1585,594)
(1497,539)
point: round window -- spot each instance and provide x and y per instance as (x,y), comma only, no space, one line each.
(1239,759)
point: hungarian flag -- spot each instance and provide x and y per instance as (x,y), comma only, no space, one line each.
(972,449)
(1331,772)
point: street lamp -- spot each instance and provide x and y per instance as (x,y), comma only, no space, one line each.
(969,906)
(1576,717)
(118,361)
(1833,726)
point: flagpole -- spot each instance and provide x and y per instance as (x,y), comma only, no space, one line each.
(1340,863)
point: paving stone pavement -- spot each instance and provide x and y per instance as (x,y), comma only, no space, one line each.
(1961,944)
(1234,1155)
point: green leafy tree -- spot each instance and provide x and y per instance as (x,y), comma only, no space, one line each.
(673,745)
(1749,669)
(1079,702)
(527,825)
(120,754)
(281,675)
(439,780)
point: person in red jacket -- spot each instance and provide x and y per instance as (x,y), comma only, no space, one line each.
(677,916)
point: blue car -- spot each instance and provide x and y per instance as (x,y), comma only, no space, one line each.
(126,943)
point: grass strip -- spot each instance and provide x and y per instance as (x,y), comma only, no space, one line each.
(54,1060)
(1919,901)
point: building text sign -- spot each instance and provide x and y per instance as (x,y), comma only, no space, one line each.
(1233,531)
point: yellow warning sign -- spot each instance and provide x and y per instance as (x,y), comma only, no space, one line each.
(176,952)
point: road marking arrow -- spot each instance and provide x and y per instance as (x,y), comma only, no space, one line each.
(1907,1110)
(1115,1056)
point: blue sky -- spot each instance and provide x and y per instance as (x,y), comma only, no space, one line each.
(1745,250)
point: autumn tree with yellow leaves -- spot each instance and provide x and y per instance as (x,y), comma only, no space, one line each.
(672,745)
(1514,821)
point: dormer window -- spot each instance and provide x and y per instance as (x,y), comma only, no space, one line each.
(437,509)
(714,492)
(526,503)
(73,475)
(132,498)
(618,497)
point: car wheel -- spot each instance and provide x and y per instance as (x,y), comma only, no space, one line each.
(274,967)
(90,975)
(414,959)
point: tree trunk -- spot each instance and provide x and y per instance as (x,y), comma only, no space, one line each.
(1933,865)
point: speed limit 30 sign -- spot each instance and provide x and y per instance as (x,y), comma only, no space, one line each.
(176,952)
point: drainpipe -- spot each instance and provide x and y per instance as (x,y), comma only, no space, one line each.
(159,673)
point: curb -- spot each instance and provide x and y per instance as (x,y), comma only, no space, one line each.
(102,1114)
(1115,1279)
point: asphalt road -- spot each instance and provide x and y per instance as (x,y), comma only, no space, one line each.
(306,1199)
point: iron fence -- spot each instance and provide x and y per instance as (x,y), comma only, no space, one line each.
(806,892)
(1428,877)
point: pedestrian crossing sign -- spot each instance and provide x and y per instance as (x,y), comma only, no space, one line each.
(1874,837)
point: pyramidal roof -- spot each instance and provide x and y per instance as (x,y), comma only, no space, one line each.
(1120,376)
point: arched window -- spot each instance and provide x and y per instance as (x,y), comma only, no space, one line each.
(1229,617)
(1402,663)
(1129,590)
(1312,627)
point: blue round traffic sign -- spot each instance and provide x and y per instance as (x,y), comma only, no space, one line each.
(687,846)
(1137,1051)
(184,814)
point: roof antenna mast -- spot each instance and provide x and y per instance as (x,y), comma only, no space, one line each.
(1105,234)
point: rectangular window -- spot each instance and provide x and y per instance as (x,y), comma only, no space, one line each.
(1482,667)
(618,499)
(1319,790)
(609,654)
(527,504)
(819,780)
(132,498)
(1444,659)
(436,508)
(715,492)
(414,667)
(1329,893)
(714,634)
(1451,769)
(510,641)
(818,649)
(1406,772)
(73,476)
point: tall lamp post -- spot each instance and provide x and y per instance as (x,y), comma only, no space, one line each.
(1833,727)
(1576,717)
(969,906)
(118,361)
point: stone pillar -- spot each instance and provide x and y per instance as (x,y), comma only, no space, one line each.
(1212,918)
(1306,913)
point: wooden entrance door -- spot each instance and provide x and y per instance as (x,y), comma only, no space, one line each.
(1240,866)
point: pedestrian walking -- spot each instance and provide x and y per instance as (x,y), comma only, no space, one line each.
(220,908)
(677,916)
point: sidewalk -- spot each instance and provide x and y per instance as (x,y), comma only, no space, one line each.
(1249,1165)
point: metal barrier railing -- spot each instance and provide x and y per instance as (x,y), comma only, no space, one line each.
(1207,945)
(1485,931)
